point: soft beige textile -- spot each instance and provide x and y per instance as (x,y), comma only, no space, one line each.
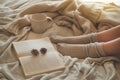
(70,18)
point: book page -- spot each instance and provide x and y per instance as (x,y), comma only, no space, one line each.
(43,63)
(23,48)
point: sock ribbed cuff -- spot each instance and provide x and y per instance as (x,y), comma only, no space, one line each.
(89,38)
(96,50)
(94,37)
(100,49)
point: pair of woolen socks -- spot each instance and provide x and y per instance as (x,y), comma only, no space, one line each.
(85,46)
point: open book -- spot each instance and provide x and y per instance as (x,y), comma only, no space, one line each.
(33,65)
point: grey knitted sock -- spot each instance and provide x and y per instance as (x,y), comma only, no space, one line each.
(83,39)
(82,50)
(88,38)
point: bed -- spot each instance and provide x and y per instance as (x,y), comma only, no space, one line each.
(70,18)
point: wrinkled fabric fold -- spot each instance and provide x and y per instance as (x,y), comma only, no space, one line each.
(70,18)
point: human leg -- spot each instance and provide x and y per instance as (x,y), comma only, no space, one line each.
(103,36)
(83,39)
(109,34)
(112,48)
(81,50)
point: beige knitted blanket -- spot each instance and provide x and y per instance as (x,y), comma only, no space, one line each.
(69,18)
